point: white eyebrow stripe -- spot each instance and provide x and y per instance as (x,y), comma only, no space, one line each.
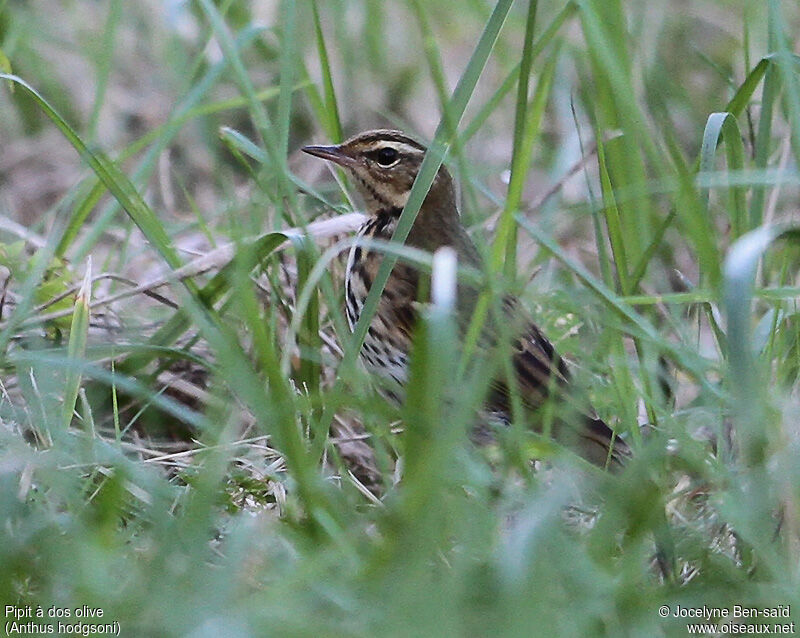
(407,149)
(400,147)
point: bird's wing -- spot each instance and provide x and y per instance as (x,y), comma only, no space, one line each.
(539,371)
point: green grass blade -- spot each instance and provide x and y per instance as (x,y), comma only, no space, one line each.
(79,216)
(275,139)
(332,123)
(308,339)
(723,127)
(288,72)
(116,182)
(505,243)
(769,94)
(746,375)
(5,67)
(104,61)
(744,93)
(161,137)
(433,57)
(432,436)
(638,325)
(613,223)
(208,296)
(747,88)
(160,134)
(76,348)
(786,62)
(513,75)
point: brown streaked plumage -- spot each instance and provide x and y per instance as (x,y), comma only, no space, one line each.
(384,164)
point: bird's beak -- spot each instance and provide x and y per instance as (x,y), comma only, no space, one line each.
(333,154)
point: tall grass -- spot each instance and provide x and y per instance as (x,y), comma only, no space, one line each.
(181,456)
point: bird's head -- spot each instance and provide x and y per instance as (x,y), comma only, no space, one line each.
(384,165)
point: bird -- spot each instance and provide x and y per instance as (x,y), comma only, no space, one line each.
(383,165)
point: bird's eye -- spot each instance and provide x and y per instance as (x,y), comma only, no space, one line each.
(386,156)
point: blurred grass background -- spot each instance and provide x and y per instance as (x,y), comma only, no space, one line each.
(194,459)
